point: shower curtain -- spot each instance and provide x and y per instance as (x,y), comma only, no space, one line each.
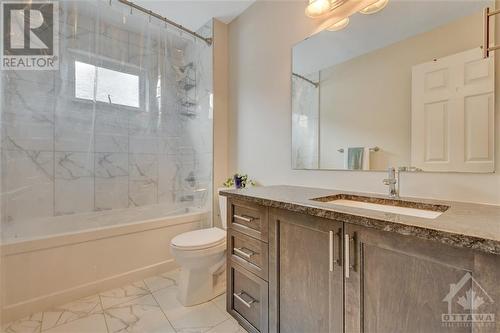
(125,122)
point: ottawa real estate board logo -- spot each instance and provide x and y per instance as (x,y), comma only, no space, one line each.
(30,31)
(469,305)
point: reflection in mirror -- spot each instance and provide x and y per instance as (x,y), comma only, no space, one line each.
(406,86)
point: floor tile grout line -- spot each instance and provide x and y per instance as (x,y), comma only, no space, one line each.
(41,321)
(222,322)
(134,297)
(103,313)
(159,305)
(216,305)
(63,311)
(162,288)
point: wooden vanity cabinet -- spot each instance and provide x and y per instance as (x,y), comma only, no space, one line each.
(247,265)
(397,283)
(248,299)
(328,276)
(307,275)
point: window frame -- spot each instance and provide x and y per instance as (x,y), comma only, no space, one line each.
(110,64)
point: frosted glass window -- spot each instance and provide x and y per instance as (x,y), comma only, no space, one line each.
(84,80)
(112,86)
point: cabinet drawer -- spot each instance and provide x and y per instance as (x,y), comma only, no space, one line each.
(249,252)
(248,218)
(247,299)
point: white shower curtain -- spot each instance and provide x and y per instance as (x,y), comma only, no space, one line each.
(126,121)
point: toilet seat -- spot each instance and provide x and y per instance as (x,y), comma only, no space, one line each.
(199,239)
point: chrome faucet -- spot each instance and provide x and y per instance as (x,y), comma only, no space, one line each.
(393,182)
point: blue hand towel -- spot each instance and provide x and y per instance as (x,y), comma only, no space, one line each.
(355,158)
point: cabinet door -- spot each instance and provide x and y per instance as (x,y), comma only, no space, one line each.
(310,275)
(401,283)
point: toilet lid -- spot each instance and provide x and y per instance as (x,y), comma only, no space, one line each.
(199,239)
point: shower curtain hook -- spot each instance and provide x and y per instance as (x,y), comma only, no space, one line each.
(130,10)
(150,16)
(110,2)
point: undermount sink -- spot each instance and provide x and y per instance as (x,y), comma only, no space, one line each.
(408,208)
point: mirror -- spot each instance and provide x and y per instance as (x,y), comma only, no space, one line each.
(404,87)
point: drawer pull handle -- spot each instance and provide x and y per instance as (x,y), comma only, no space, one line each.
(239,297)
(347,255)
(330,260)
(244,252)
(244,218)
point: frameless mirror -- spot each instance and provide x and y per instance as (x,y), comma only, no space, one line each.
(406,86)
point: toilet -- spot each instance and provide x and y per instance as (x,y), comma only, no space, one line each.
(201,254)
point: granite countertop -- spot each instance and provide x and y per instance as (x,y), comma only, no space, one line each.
(466,225)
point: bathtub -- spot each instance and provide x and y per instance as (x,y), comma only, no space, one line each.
(52,261)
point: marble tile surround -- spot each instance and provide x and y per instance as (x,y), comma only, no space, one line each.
(65,156)
(147,306)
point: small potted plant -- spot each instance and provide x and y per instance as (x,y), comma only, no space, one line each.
(237,181)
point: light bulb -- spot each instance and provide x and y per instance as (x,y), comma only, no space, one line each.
(317,8)
(374,7)
(339,25)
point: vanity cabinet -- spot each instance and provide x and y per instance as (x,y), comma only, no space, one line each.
(248,299)
(249,219)
(395,283)
(248,252)
(247,265)
(309,273)
(323,275)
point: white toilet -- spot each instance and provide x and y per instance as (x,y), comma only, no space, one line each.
(202,257)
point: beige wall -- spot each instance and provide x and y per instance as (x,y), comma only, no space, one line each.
(260,113)
(221,125)
(366,101)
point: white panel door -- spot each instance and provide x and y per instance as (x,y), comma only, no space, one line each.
(453,114)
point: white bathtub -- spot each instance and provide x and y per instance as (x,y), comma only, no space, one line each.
(52,261)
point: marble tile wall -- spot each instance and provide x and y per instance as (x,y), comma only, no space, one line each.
(61,155)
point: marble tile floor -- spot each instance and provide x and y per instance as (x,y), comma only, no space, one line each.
(147,306)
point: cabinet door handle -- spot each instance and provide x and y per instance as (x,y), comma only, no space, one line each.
(239,297)
(347,255)
(331,251)
(244,252)
(244,218)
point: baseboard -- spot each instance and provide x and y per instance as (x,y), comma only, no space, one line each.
(46,302)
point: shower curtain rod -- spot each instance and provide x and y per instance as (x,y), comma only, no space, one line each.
(166,20)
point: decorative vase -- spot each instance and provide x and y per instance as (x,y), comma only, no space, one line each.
(238,182)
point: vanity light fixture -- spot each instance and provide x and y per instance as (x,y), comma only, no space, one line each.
(339,25)
(374,7)
(318,8)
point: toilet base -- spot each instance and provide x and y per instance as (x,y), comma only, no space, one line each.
(197,286)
